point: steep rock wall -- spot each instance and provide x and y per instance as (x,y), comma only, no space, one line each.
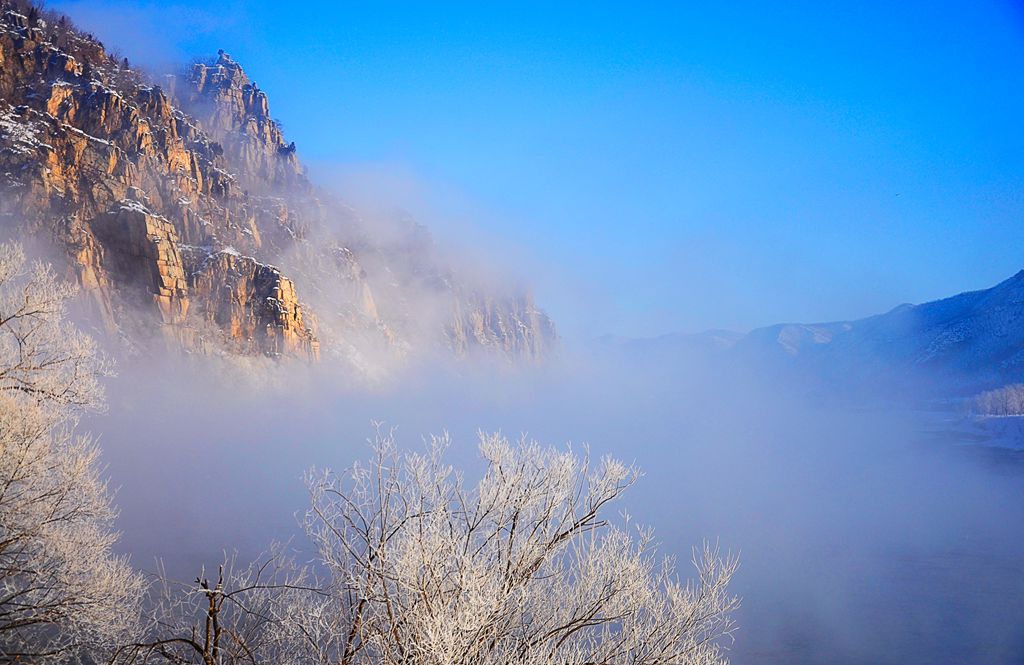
(173,202)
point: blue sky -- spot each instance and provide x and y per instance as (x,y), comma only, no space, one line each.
(667,167)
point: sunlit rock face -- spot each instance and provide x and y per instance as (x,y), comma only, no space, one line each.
(234,111)
(189,221)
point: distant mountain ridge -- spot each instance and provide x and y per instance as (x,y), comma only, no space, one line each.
(187,217)
(974,338)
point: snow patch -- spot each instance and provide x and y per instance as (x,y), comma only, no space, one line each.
(21,134)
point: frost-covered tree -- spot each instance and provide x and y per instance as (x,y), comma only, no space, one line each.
(1005,401)
(243,615)
(63,595)
(521,567)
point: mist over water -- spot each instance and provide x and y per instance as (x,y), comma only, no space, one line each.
(861,539)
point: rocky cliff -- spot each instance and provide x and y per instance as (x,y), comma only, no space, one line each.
(189,221)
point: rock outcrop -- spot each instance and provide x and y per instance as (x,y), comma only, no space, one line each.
(140,250)
(236,113)
(515,326)
(174,203)
(254,303)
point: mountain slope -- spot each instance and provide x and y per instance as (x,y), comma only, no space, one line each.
(977,335)
(960,343)
(189,220)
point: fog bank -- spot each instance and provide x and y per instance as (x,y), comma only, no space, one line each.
(861,539)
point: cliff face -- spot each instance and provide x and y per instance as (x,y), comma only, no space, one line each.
(174,203)
(236,112)
(516,326)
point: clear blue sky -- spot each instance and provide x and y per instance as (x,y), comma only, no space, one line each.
(658,168)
